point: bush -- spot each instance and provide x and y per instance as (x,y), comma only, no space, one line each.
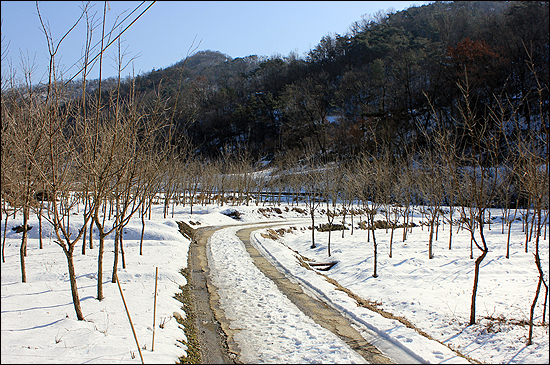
(335,227)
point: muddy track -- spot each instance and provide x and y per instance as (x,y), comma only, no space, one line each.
(215,336)
(211,326)
(324,315)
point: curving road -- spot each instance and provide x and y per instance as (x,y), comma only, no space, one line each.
(324,315)
(216,336)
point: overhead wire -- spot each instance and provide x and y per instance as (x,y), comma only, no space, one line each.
(108,34)
(107,46)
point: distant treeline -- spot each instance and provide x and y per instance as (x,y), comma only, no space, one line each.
(380,84)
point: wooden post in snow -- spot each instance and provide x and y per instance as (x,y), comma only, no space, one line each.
(129,319)
(155,309)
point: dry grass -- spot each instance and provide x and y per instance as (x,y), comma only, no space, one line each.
(275,234)
(188,323)
(380,224)
(327,227)
(299,210)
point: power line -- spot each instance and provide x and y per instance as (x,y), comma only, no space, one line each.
(108,35)
(107,46)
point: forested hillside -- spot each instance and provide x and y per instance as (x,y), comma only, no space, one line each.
(380,84)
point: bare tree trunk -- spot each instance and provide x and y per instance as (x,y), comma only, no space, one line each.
(508,239)
(430,241)
(484,251)
(85,226)
(351,214)
(4,240)
(533,224)
(474,289)
(142,230)
(545,303)
(122,249)
(368,230)
(115,260)
(374,275)
(391,239)
(100,267)
(450,226)
(437,226)
(23,248)
(532,310)
(527,230)
(100,258)
(91,235)
(405,223)
(540,280)
(344,221)
(329,232)
(118,228)
(72,278)
(312,212)
(40,245)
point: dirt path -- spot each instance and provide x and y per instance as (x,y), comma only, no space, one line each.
(215,336)
(327,317)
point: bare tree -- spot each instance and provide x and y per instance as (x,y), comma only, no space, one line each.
(150,187)
(311,176)
(430,177)
(331,190)
(533,172)
(507,189)
(194,177)
(23,130)
(480,176)
(370,170)
(534,178)
(9,187)
(60,177)
(347,196)
(58,161)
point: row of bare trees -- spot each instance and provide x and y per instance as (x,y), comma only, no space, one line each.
(59,152)
(116,157)
(113,163)
(502,164)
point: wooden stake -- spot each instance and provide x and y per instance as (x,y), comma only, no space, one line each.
(155,309)
(129,319)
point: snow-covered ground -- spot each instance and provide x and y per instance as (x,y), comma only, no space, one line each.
(38,323)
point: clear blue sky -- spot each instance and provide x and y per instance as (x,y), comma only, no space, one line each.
(164,34)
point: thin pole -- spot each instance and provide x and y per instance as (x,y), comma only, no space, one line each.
(155,309)
(129,319)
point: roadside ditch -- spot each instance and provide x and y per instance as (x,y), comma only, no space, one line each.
(207,330)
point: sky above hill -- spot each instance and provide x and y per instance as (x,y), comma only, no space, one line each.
(168,31)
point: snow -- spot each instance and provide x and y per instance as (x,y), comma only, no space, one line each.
(39,325)
(272,329)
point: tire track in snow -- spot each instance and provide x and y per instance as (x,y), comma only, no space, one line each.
(266,325)
(324,315)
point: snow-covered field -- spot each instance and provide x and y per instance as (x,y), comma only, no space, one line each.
(38,322)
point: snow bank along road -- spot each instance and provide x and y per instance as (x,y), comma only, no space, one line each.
(266,317)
